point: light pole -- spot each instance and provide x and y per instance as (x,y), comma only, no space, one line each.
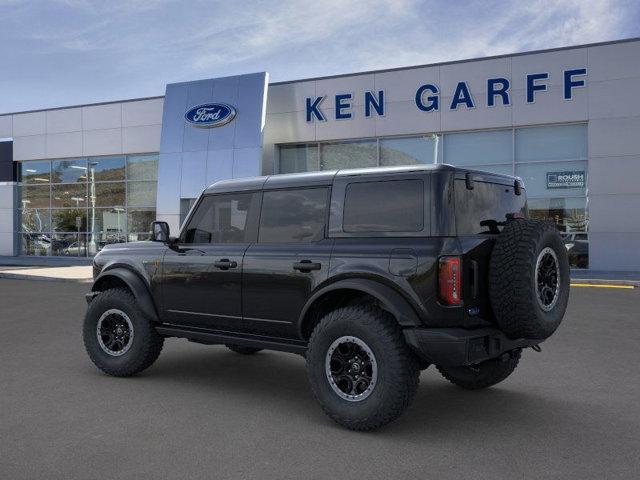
(92,196)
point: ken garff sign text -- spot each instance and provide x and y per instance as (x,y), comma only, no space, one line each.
(427,96)
(210,115)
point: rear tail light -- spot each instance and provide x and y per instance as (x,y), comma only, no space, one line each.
(449,281)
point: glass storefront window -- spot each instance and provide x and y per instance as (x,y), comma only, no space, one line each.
(35,172)
(107,221)
(142,167)
(409,150)
(140,220)
(141,194)
(557,142)
(38,244)
(69,245)
(353,154)
(299,158)
(109,194)
(69,171)
(69,195)
(106,169)
(35,220)
(35,196)
(66,220)
(478,148)
(71,207)
(568,214)
(554,179)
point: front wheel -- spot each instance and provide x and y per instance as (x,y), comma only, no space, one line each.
(118,337)
(361,371)
(482,375)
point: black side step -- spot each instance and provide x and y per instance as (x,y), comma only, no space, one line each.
(246,340)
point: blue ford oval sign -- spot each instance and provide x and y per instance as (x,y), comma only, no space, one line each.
(210,115)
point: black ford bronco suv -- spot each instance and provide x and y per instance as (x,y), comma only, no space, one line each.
(372,275)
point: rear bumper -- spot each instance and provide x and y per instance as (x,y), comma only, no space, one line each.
(457,346)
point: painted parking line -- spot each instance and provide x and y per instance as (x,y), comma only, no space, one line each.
(597,285)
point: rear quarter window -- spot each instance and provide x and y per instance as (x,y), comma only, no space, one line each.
(483,209)
(384,206)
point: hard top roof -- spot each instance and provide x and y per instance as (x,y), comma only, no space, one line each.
(324,178)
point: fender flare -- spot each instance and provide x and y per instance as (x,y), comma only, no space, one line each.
(137,286)
(391,300)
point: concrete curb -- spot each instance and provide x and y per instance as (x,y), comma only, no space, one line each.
(20,276)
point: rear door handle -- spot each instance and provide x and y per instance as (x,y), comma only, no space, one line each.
(306,266)
(225,264)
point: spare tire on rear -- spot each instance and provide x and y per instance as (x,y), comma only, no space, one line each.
(529,279)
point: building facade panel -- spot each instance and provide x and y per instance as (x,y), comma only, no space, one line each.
(29,124)
(602,210)
(614,175)
(102,117)
(61,145)
(31,147)
(614,136)
(102,142)
(144,112)
(614,252)
(6,126)
(64,120)
(565,120)
(141,139)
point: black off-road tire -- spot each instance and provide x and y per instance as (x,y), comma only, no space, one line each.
(242,349)
(483,375)
(145,346)
(397,367)
(513,289)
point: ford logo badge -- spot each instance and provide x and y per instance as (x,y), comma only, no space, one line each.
(210,115)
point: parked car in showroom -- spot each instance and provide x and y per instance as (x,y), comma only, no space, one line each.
(371,274)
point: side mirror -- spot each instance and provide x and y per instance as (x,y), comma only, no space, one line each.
(160,232)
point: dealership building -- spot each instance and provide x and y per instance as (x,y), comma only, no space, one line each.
(566,120)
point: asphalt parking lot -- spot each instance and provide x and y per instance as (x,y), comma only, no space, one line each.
(572,411)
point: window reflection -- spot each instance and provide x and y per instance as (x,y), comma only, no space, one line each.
(141,194)
(69,220)
(69,245)
(356,154)
(35,172)
(69,171)
(35,196)
(76,206)
(35,220)
(69,195)
(142,167)
(109,194)
(107,169)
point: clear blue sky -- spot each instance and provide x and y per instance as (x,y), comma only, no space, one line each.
(65,52)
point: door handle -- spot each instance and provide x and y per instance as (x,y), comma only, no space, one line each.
(225,264)
(306,266)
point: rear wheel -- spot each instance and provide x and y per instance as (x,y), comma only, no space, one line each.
(361,371)
(118,337)
(242,349)
(482,375)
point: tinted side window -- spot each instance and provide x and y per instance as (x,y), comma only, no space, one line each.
(293,215)
(221,219)
(482,209)
(389,206)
